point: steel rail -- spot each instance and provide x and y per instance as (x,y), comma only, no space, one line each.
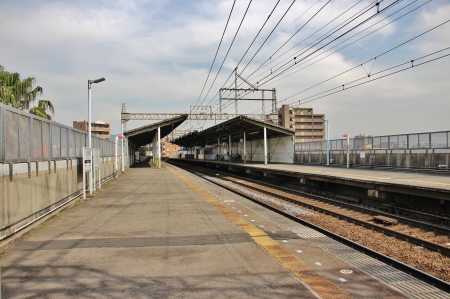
(438,283)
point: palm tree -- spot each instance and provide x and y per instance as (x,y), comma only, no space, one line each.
(20,94)
(41,109)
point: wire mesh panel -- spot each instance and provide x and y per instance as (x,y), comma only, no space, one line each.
(393,142)
(11,135)
(64,142)
(376,143)
(438,140)
(79,141)
(24,137)
(403,141)
(424,140)
(37,139)
(413,141)
(448,139)
(56,141)
(384,142)
(27,137)
(316,146)
(11,143)
(46,145)
(72,145)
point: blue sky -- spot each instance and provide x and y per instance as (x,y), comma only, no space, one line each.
(155,56)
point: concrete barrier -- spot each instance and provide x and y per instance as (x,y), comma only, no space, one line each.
(29,191)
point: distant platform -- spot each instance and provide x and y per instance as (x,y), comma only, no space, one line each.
(413,183)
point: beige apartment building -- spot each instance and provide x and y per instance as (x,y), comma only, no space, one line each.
(307,125)
(99,128)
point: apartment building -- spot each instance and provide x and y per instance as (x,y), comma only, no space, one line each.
(307,125)
(99,128)
(169,150)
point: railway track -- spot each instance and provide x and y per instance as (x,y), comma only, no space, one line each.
(420,234)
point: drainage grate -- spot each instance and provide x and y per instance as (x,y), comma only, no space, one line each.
(403,283)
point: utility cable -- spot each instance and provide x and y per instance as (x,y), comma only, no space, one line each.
(343,34)
(340,26)
(413,65)
(265,63)
(229,48)
(300,64)
(250,45)
(374,58)
(269,35)
(347,22)
(215,56)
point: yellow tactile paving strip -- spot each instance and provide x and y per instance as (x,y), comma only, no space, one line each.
(309,276)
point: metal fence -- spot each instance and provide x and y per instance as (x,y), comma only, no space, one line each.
(26,137)
(432,140)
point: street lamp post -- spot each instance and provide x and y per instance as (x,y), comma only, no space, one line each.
(89,124)
(348,149)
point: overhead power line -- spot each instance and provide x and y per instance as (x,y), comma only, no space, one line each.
(250,44)
(300,64)
(336,29)
(226,25)
(374,58)
(268,36)
(321,47)
(263,42)
(254,41)
(229,48)
(347,86)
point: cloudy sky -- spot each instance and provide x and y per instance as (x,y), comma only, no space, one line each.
(156,55)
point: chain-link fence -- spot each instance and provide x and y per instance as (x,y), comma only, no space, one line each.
(26,137)
(432,140)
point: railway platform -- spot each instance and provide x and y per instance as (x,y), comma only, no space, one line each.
(166,233)
(400,178)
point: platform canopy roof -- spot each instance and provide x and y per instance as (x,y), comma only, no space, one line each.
(144,135)
(235,127)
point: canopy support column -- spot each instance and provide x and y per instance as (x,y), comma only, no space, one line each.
(159,147)
(229,147)
(265,145)
(245,148)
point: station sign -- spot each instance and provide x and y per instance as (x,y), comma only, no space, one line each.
(87,159)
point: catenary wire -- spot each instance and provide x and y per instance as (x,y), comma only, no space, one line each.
(360,13)
(215,56)
(353,43)
(379,55)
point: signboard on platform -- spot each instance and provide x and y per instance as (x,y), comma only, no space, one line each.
(87,159)
(96,158)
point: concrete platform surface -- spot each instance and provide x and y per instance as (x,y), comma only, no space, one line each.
(149,234)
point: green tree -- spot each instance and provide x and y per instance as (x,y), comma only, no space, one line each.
(20,94)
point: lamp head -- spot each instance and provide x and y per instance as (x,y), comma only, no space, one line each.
(97,80)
